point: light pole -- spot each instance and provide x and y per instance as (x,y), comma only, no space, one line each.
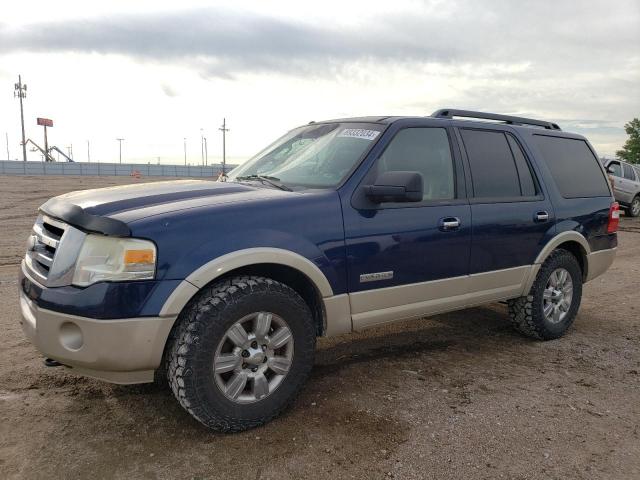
(185,151)
(120,140)
(6,135)
(20,91)
(224,130)
(206,153)
(88,153)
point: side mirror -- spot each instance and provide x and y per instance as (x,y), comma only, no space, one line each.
(610,169)
(396,187)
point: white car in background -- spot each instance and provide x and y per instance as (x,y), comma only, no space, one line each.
(626,185)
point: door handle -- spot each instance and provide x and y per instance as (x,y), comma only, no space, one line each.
(448,224)
(541,216)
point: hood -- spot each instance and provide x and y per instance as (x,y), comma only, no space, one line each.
(108,210)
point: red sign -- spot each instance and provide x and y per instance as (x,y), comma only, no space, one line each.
(45,122)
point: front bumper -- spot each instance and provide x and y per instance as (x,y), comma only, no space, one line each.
(119,351)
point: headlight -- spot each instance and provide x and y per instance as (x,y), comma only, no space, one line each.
(114,259)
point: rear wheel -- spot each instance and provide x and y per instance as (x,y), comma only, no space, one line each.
(241,353)
(552,304)
(634,207)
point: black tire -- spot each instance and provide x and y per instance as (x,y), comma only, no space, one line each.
(202,326)
(634,207)
(526,313)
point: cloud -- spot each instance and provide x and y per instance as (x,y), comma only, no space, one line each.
(226,43)
(575,62)
(168,90)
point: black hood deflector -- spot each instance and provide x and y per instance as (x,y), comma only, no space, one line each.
(76,216)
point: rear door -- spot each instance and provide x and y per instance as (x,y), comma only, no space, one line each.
(511,216)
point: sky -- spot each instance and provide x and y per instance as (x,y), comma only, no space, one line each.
(156,72)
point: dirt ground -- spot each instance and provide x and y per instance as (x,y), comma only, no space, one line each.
(454,396)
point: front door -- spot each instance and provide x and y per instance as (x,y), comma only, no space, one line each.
(403,259)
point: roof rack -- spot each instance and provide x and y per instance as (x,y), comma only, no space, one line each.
(450,113)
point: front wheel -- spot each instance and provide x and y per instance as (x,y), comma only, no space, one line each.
(241,353)
(552,304)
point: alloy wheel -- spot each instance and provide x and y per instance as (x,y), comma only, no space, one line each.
(557,296)
(253,357)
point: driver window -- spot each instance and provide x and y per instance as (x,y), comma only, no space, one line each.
(423,150)
(615,169)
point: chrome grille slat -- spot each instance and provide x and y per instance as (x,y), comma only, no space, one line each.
(44,258)
(55,223)
(35,268)
(45,238)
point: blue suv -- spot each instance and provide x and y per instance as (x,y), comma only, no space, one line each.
(223,287)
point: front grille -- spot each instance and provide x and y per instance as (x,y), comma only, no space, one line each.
(43,244)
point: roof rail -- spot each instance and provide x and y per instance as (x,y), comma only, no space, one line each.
(450,113)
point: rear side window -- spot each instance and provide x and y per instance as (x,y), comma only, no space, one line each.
(628,173)
(499,168)
(574,167)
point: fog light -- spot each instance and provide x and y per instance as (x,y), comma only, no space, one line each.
(71,336)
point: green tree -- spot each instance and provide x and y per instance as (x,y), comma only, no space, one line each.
(631,150)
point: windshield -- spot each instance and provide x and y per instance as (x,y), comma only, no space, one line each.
(316,155)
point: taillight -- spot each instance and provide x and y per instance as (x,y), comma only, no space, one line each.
(614,218)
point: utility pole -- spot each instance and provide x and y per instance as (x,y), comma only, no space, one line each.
(185,151)
(120,140)
(206,153)
(20,91)
(202,145)
(70,151)
(224,131)
(88,153)
(6,135)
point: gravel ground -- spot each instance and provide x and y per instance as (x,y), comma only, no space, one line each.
(453,396)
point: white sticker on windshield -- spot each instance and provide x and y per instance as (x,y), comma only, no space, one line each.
(359,133)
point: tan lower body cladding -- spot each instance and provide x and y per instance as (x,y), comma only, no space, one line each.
(375,307)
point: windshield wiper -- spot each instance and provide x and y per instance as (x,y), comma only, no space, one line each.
(273,181)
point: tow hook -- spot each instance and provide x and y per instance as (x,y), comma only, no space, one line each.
(50,362)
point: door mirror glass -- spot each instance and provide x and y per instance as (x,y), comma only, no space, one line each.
(396,186)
